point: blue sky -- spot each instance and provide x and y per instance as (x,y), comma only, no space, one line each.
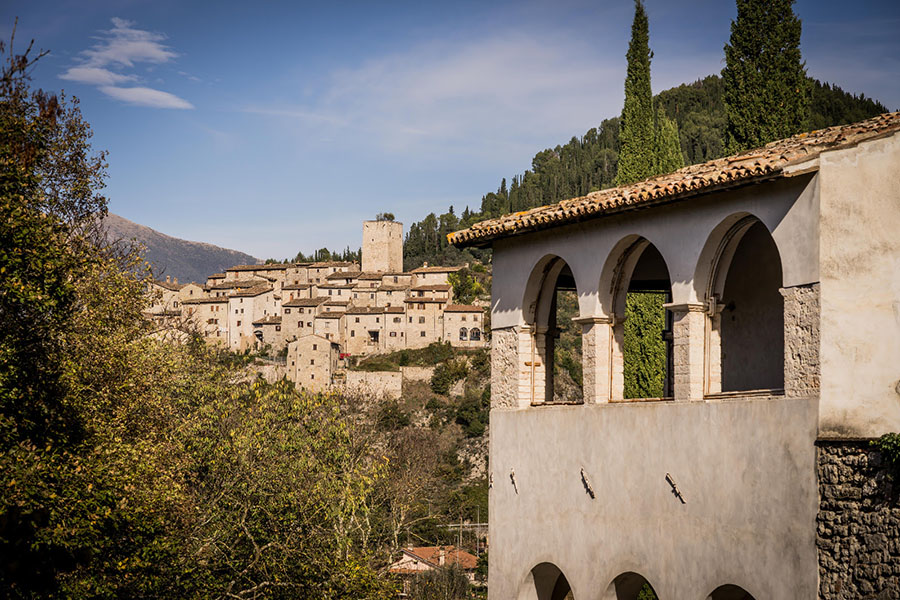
(273,127)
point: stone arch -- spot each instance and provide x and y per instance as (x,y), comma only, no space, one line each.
(737,280)
(475,334)
(629,586)
(463,334)
(633,257)
(730,592)
(537,346)
(545,582)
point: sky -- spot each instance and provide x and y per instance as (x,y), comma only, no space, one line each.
(274,127)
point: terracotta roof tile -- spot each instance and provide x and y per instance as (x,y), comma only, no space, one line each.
(463,308)
(296,286)
(436,269)
(217,300)
(344,275)
(251,292)
(305,302)
(452,556)
(759,164)
(438,287)
(268,320)
(365,310)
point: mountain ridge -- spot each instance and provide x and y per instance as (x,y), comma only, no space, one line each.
(170,256)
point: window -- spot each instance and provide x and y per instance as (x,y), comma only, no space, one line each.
(329,292)
(463,318)
(312,361)
(422,334)
(239,324)
(421,319)
(235,311)
(397,319)
(463,334)
(278,328)
(475,335)
(356,320)
(299,323)
(242,311)
(420,294)
(315,346)
(287,311)
(309,323)
(378,319)
(312,375)
(410,319)
(421,306)
(393,334)
(371,296)
(396,279)
(352,333)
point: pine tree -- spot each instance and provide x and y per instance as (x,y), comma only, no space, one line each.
(767,94)
(636,137)
(667,147)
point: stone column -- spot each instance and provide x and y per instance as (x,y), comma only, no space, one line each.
(595,352)
(689,340)
(801,340)
(505,367)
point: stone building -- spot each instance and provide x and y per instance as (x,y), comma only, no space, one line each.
(753,476)
(382,247)
(312,361)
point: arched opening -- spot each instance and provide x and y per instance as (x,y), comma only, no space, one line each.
(642,328)
(553,361)
(745,351)
(475,334)
(463,334)
(730,592)
(630,586)
(546,582)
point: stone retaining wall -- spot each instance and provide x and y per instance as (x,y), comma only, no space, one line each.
(858,524)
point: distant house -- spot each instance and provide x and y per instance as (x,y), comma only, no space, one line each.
(415,561)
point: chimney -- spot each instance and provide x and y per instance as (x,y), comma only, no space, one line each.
(424,264)
(168,279)
(442,557)
(175,281)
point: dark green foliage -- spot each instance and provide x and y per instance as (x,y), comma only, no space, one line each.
(466,286)
(445,583)
(391,416)
(833,106)
(567,371)
(446,374)
(646,593)
(666,146)
(324,254)
(473,413)
(889,446)
(644,348)
(767,93)
(636,138)
(384,216)
(429,356)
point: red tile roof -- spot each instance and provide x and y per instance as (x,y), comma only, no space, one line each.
(759,164)
(431,555)
(462,308)
(306,302)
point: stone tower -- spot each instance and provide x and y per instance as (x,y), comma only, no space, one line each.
(382,247)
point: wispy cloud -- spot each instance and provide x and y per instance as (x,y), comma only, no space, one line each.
(474,95)
(143,96)
(117,50)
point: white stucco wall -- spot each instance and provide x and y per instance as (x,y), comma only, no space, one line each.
(745,468)
(860,292)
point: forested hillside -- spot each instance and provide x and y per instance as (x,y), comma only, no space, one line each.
(588,163)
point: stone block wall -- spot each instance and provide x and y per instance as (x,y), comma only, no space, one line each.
(858,523)
(801,340)
(504,367)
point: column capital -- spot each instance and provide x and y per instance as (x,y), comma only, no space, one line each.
(601,320)
(686,306)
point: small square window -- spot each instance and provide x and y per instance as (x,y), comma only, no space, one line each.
(422,334)
(352,333)
(421,319)
(357,320)
(315,346)
(278,328)
(287,311)
(312,361)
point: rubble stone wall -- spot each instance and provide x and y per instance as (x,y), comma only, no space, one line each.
(858,524)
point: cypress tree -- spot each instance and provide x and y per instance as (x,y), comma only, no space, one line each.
(766,93)
(667,147)
(636,136)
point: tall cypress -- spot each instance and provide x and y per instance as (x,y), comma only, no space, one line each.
(767,93)
(667,147)
(636,135)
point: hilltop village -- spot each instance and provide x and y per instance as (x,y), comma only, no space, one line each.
(323,313)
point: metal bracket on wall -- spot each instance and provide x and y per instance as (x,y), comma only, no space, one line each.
(512,478)
(675,491)
(587,484)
